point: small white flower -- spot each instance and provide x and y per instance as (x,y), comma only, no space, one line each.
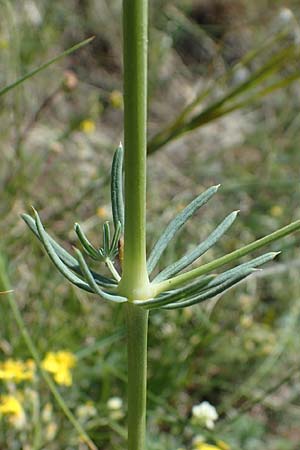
(205,414)
(33,12)
(86,411)
(114,403)
(199,439)
(285,15)
(241,75)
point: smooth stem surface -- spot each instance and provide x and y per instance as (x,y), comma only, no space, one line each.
(137,330)
(135,280)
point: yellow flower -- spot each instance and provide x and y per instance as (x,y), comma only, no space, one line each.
(63,377)
(116,99)
(88,126)
(59,364)
(246,321)
(222,445)
(86,411)
(276,211)
(17,371)
(204,446)
(102,212)
(10,406)
(51,431)
(3,44)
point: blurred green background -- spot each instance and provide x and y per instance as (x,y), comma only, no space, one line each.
(58,131)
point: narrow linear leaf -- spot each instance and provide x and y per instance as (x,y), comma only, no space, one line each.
(225,77)
(210,281)
(44,66)
(250,99)
(189,258)
(117,201)
(218,107)
(210,293)
(64,256)
(110,265)
(176,224)
(92,283)
(114,248)
(63,269)
(226,259)
(106,238)
(86,244)
(253,263)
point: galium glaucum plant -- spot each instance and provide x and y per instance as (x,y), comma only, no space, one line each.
(167,289)
(123,250)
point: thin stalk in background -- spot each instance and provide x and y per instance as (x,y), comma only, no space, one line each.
(5,284)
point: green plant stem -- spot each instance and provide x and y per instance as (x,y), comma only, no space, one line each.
(137,328)
(135,282)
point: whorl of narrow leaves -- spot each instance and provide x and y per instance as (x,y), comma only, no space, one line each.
(169,290)
(209,282)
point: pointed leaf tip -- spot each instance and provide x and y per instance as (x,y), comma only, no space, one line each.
(176,224)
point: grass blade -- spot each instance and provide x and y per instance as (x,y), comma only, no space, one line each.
(44,66)
(223,105)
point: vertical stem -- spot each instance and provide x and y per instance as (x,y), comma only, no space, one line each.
(135,35)
(135,282)
(137,329)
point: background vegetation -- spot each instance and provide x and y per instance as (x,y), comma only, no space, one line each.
(58,132)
